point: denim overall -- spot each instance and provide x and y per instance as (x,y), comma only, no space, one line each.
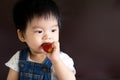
(31,70)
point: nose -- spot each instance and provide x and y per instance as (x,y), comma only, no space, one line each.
(46,36)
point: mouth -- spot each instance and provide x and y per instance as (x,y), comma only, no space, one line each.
(47,47)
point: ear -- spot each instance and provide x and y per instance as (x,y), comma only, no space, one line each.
(20,35)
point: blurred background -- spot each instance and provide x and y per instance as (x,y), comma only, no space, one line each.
(90,35)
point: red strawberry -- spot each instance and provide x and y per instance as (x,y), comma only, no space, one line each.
(47,47)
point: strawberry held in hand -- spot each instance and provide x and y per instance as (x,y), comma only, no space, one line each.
(48,47)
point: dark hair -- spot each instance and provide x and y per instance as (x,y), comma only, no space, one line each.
(25,10)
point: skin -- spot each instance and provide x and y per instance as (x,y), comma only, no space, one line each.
(39,31)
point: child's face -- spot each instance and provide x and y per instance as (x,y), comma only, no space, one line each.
(41,30)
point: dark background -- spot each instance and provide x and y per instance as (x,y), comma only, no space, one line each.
(90,34)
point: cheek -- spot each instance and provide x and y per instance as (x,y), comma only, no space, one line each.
(56,37)
(33,41)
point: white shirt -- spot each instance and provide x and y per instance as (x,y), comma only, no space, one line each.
(13,63)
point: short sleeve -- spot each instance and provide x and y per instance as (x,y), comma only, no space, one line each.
(68,61)
(13,62)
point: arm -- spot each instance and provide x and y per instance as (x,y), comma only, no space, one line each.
(61,70)
(12,75)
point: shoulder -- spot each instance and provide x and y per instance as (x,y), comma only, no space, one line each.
(68,61)
(15,56)
(13,62)
(65,57)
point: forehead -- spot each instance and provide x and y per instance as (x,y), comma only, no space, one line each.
(44,16)
(43,21)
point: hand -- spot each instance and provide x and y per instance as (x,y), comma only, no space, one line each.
(54,55)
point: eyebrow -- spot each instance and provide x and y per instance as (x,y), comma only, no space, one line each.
(55,25)
(34,27)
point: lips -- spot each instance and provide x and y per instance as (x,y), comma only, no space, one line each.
(47,47)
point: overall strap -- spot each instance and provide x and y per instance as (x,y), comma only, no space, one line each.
(24,54)
(47,62)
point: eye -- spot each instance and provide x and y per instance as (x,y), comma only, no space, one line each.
(39,31)
(53,30)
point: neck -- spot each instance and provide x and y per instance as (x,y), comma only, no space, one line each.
(39,57)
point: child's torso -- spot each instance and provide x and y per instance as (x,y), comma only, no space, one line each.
(33,71)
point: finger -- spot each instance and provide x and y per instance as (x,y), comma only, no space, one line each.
(56,46)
